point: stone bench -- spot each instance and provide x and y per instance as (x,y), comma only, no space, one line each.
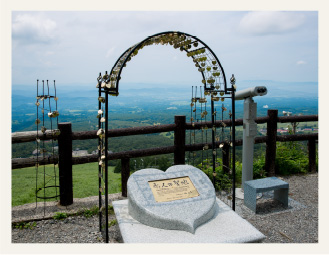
(251,188)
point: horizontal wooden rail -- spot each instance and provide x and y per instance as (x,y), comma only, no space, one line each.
(28,162)
(218,123)
(301,118)
(83,135)
(30,136)
(301,137)
(125,154)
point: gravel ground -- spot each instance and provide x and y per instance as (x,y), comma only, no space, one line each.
(296,224)
(73,229)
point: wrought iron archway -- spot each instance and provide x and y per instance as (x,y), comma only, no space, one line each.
(194,47)
(214,83)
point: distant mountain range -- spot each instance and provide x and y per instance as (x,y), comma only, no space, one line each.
(158,102)
(284,89)
(275,89)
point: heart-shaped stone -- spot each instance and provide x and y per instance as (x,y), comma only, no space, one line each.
(181,198)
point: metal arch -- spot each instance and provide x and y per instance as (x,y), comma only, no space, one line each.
(109,84)
(111,81)
(220,65)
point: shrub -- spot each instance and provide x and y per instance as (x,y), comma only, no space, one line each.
(259,167)
(291,158)
(117,168)
(223,179)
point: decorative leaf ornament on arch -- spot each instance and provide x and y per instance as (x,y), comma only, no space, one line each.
(206,62)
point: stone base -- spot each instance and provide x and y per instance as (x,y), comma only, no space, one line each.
(225,227)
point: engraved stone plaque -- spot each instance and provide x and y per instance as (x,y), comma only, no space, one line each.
(173,189)
(181,198)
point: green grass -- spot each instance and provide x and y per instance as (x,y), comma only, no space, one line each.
(25,225)
(165,134)
(85,182)
(60,216)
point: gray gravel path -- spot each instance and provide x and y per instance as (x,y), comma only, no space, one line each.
(296,224)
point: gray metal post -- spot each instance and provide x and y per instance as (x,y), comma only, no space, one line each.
(249,133)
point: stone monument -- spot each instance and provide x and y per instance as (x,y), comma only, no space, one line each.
(181,198)
(178,206)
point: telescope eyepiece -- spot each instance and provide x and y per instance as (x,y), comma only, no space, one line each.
(251,92)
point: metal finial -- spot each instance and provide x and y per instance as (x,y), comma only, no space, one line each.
(232,79)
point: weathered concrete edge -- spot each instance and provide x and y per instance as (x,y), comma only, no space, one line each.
(31,212)
(127,223)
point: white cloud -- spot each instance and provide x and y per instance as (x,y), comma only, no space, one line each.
(110,52)
(301,62)
(49,53)
(30,29)
(77,43)
(270,22)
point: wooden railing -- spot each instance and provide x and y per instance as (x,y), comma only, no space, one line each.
(65,159)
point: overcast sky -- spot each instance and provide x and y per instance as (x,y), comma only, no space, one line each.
(73,47)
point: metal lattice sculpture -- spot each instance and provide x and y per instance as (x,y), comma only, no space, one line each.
(102,116)
(222,141)
(213,82)
(47,117)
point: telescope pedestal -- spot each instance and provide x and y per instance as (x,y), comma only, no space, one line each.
(249,133)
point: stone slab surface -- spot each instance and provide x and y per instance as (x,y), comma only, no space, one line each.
(267,184)
(183,214)
(225,227)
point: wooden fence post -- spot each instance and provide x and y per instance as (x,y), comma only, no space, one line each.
(65,163)
(125,172)
(272,126)
(179,140)
(311,155)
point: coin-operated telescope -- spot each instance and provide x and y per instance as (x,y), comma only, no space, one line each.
(250,92)
(249,128)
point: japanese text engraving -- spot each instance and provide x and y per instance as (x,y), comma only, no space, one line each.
(173,189)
